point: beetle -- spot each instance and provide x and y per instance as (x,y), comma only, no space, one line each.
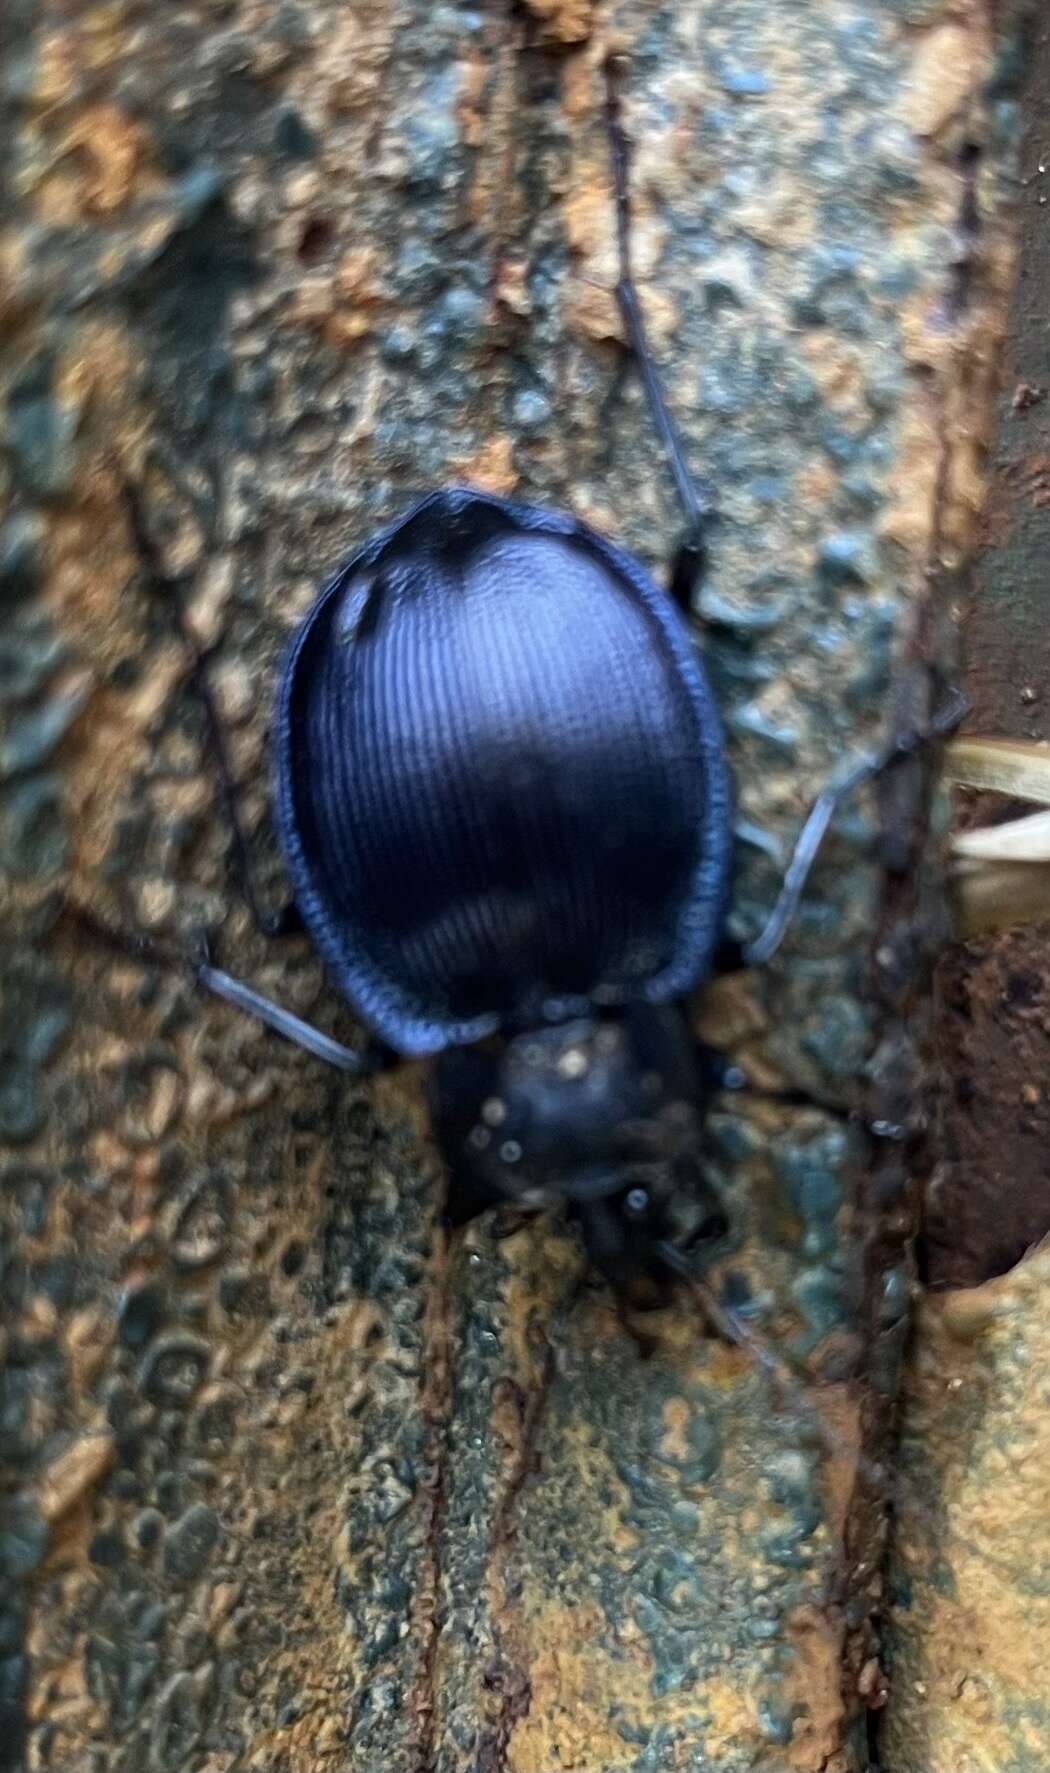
(505,807)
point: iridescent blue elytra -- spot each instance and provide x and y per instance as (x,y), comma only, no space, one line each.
(502,789)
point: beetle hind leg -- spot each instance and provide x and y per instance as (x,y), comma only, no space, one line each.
(357,1062)
(171,589)
(695,496)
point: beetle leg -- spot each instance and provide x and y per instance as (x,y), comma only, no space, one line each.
(827,803)
(284,1022)
(718,1072)
(723,1075)
(359,1062)
(171,588)
(465,1200)
(688,563)
(695,496)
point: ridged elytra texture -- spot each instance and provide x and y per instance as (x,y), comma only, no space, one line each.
(501,776)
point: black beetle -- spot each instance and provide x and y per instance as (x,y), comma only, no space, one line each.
(504,803)
(505,806)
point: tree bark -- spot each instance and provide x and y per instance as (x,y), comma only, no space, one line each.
(293,1479)
(966,1596)
(968,1612)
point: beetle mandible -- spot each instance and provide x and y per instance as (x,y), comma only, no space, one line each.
(505,806)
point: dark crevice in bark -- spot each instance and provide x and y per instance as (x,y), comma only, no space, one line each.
(437,1413)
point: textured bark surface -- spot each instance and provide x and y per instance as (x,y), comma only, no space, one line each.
(992,1199)
(969,1587)
(291,1481)
(967,1615)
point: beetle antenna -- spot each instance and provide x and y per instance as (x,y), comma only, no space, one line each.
(151,952)
(695,496)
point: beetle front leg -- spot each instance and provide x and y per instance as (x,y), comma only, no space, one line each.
(722,1075)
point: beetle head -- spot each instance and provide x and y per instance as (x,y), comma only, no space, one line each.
(603,1115)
